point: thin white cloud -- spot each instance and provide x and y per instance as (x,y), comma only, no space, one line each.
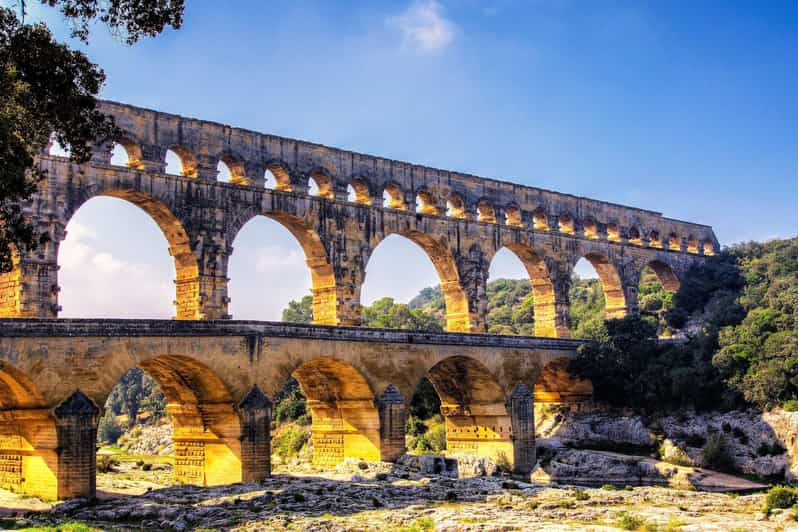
(276,258)
(424,27)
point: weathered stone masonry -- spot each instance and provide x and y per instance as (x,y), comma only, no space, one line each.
(461,222)
(217,377)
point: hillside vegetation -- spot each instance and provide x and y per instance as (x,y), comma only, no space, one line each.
(737,314)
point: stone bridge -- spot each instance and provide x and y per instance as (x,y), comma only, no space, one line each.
(217,377)
(460,221)
(218,374)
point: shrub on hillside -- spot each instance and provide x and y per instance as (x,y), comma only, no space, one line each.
(290,441)
(715,454)
(781,497)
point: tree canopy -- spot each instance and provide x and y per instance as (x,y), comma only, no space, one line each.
(48,91)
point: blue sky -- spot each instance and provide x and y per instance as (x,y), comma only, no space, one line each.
(688,108)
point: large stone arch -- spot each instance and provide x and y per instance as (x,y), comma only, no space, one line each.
(322,273)
(668,278)
(345,420)
(557,384)
(209,448)
(458,317)
(543,293)
(187,289)
(473,402)
(611,283)
(29,458)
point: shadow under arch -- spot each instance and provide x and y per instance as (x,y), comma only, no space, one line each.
(458,317)
(345,420)
(187,289)
(206,427)
(611,285)
(29,457)
(544,297)
(322,275)
(473,404)
(667,277)
(557,384)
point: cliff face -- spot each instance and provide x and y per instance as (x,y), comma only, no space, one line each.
(761,444)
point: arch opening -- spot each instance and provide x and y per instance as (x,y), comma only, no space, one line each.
(277,177)
(486,212)
(425,204)
(231,170)
(126,153)
(591,229)
(181,393)
(358,192)
(611,285)
(658,284)
(566,224)
(392,197)
(674,242)
(556,384)
(634,237)
(181,161)
(709,248)
(654,240)
(321,185)
(28,437)
(613,233)
(587,300)
(98,268)
(344,420)
(455,302)
(540,220)
(455,207)
(265,246)
(473,405)
(692,244)
(512,216)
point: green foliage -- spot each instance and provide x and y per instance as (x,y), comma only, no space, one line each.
(432,438)
(299,311)
(791,405)
(48,89)
(425,402)
(106,463)
(290,441)
(136,392)
(780,497)
(385,313)
(289,403)
(715,454)
(108,430)
(629,521)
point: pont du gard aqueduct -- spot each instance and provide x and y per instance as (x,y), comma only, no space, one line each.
(218,374)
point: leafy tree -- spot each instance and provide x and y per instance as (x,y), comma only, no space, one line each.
(48,91)
(299,311)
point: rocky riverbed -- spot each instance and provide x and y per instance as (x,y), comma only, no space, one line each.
(361,496)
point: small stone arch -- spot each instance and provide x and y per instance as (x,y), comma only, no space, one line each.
(692,244)
(394,197)
(591,228)
(133,151)
(540,219)
(324,183)
(614,296)
(187,292)
(513,216)
(566,224)
(361,189)
(654,239)
(708,248)
(282,178)
(613,232)
(426,203)
(486,212)
(674,242)
(235,164)
(188,161)
(345,420)
(455,206)
(634,236)
(667,277)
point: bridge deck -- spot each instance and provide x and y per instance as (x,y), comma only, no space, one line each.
(61,327)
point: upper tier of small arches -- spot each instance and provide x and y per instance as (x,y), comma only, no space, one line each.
(213,152)
(320,183)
